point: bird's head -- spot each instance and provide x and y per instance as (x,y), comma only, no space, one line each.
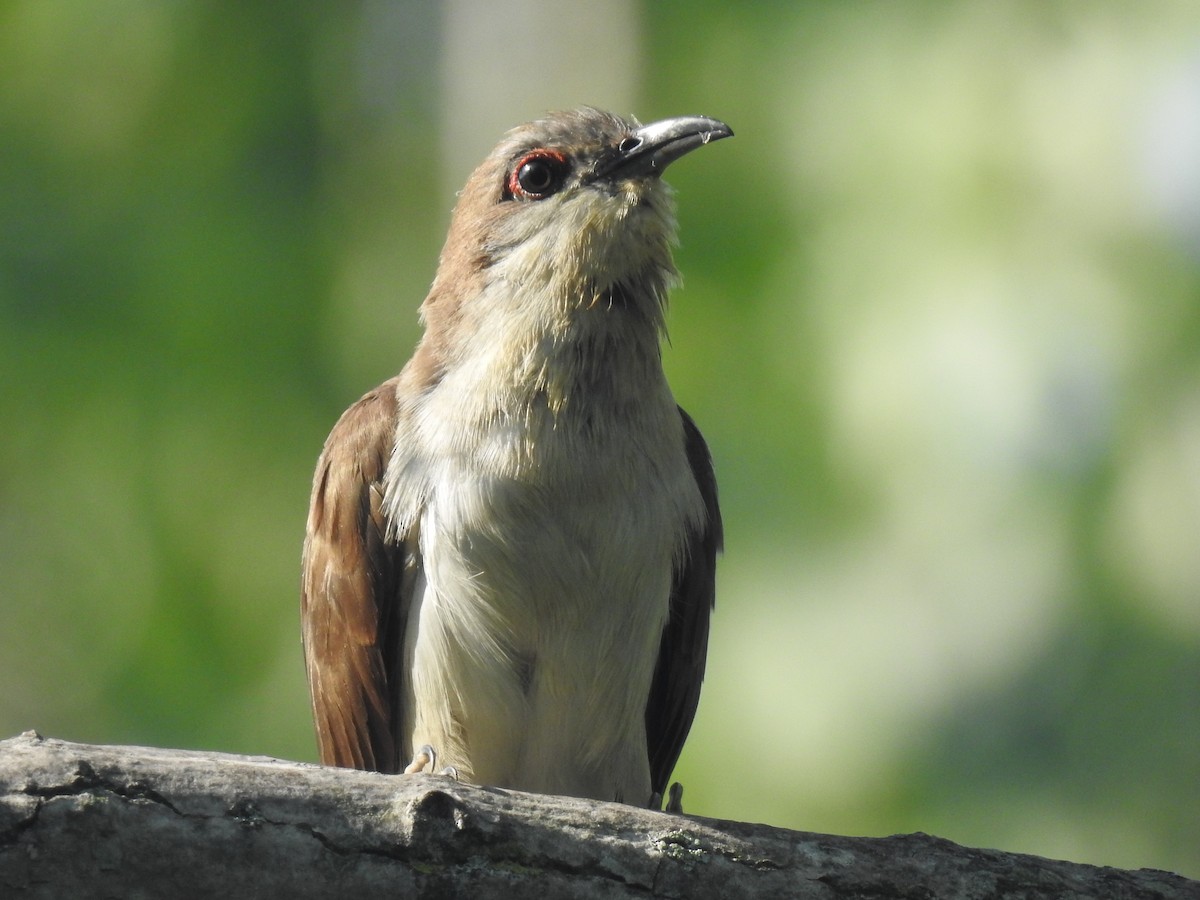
(567,212)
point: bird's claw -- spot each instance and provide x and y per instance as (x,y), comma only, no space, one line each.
(675,799)
(425,760)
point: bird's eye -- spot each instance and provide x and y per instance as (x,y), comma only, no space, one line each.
(537,175)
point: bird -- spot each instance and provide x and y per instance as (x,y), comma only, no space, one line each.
(510,551)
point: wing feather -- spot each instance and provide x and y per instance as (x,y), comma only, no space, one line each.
(353,606)
(675,691)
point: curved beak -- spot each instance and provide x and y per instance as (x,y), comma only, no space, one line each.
(648,150)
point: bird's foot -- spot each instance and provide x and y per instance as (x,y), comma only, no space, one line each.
(674,799)
(425,760)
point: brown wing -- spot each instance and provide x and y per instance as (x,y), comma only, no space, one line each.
(352,604)
(675,691)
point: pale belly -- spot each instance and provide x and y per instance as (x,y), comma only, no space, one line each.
(535,627)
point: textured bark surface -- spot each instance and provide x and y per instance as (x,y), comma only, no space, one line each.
(91,821)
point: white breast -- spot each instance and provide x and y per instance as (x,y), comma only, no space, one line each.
(547,547)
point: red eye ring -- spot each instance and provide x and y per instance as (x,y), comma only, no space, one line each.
(537,175)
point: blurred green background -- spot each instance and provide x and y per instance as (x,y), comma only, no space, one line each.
(940,324)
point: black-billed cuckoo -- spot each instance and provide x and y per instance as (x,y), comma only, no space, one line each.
(511,545)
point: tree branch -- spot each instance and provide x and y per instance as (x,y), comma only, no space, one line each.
(85,821)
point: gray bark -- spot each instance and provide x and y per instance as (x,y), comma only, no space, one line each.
(91,821)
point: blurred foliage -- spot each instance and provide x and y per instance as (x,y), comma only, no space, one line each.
(940,325)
